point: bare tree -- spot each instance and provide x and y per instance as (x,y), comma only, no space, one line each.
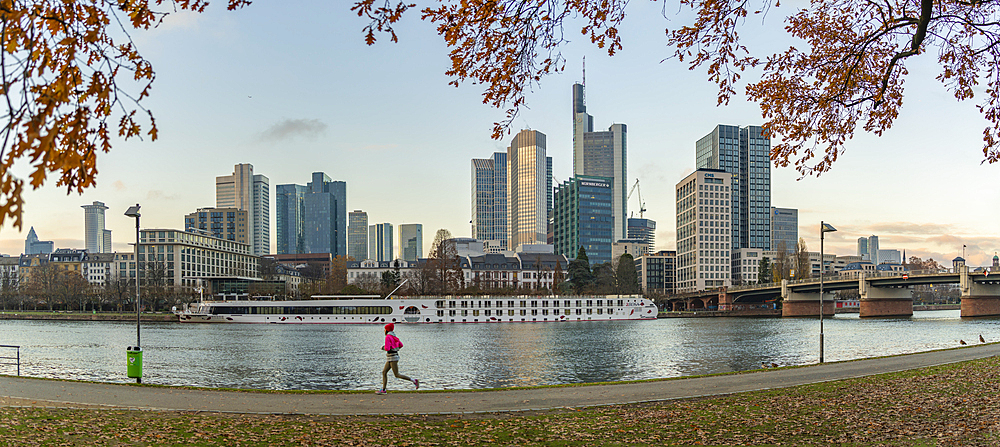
(802,268)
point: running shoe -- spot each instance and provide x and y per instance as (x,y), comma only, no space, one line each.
(382,391)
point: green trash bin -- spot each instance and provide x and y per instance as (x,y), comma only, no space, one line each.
(134,362)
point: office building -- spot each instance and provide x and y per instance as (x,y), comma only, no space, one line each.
(863,249)
(632,247)
(411,242)
(746,265)
(704,238)
(251,193)
(290,218)
(784,229)
(380,242)
(657,272)
(873,250)
(489,199)
(582,217)
(230,224)
(643,230)
(527,198)
(357,235)
(94,231)
(33,246)
(889,256)
(601,154)
(325,226)
(186,257)
(744,153)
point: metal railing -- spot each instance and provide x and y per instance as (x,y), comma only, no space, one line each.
(17,359)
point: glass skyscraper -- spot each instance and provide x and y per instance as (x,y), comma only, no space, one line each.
(357,235)
(380,242)
(94,230)
(582,216)
(527,182)
(325,226)
(644,230)
(744,153)
(784,228)
(601,154)
(411,242)
(489,199)
(289,216)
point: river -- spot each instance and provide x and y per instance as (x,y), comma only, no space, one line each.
(466,356)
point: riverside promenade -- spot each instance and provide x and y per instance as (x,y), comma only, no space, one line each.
(20,391)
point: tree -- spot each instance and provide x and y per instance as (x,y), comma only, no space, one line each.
(764,271)
(557,278)
(626,278)
(782,265)
(445,271)
(120,291)
(9,287)
(63,65)
(580,276)
(850,73)
(802,267)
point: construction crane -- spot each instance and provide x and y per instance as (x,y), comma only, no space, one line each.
(635,189)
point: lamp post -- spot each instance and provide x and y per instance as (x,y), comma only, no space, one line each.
(823,229)
(133,211)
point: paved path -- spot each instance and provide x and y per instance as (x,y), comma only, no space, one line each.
(37,392)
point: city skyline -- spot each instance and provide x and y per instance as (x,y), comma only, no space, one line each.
(210,120)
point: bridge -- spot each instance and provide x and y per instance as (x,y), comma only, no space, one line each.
(883,293)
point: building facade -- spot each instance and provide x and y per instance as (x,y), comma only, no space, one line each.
(601,154)
(325,226)
(744,153)
(526,189)
(380,242)
(290,218)
(94,231)
(357,235)
(704,238)
(184,258)
(632,247)
(784,228)
(251,193)
(582,216)
(411,242)
(657,272)
(231,224)
(489,199)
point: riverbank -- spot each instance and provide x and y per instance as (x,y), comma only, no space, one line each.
(950,404)
(87,316)
(721,313)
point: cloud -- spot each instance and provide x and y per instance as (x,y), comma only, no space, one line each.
(119,185)
(291,129)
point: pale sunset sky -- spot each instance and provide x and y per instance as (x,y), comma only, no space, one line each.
(291,88)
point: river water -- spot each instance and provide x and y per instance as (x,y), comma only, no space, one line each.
(466,356)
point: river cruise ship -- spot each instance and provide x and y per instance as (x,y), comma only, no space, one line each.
(375,310)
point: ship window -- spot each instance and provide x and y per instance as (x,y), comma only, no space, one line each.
(475,313)
(510,312)
(523,303)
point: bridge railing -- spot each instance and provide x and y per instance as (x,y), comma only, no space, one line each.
(841,276)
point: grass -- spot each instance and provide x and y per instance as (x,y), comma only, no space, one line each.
(954,404)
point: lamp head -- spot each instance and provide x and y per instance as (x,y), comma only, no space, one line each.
(827,228)
(133,211)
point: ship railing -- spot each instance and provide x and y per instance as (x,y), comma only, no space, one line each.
(16,360)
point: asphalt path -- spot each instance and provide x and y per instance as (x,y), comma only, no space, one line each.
(22,391)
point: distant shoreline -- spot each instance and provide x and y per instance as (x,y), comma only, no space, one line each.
(86,316)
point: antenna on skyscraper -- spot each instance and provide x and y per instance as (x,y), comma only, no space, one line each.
(584,71)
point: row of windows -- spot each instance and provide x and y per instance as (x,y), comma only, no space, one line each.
(522,303)
(523,312)
(312,310)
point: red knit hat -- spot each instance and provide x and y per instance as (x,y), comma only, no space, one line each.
(390,327)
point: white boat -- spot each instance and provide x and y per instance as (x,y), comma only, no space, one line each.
(375,310)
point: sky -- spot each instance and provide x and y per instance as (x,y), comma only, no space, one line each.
(291,88)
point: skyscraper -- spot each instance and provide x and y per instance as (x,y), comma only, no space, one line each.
(380,242)
(581,217)
(325,225)
(863,249)
(33,246)
(644,230)
(94,232)
(784,228)
(357,235)
(230,224)
(526,189)
(744,153)
(251,193)
(411,242)
(489,199)
(873,250)
(704,230)
(289,218)
(601,154)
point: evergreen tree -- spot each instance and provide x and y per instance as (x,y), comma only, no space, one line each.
(626,277)
(764,274)
(580,276)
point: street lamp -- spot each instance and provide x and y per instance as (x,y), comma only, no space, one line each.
(133,211)
(823,229)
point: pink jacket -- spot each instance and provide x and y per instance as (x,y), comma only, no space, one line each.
(392,342)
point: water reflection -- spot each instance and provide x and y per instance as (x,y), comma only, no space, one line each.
(469,355)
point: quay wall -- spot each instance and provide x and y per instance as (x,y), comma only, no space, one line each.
(81,316)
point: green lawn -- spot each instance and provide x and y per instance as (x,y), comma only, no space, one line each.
(946,405)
